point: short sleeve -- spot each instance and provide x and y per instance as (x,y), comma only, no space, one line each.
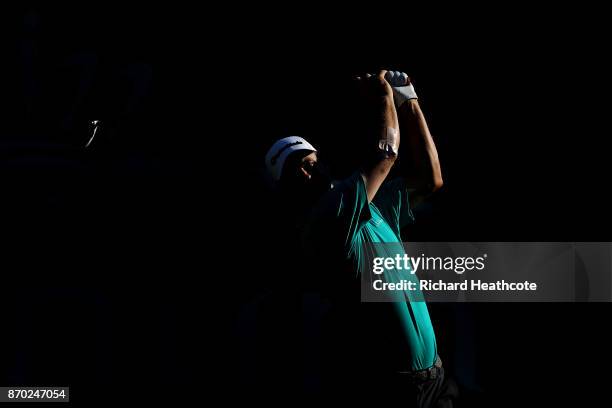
(392,200)
(341,214)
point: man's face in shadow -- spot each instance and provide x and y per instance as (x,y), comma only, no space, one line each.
(303,177)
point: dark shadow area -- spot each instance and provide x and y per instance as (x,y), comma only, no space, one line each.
(522,161)
(97,261)
(126,264)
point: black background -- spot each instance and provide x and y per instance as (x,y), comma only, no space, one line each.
(116,249)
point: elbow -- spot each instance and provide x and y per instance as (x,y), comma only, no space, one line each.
(428,181)
(432,180)
(429,185)
(436,176)
(437,183)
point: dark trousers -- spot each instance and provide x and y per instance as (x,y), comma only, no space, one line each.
(439,392)
(400,390)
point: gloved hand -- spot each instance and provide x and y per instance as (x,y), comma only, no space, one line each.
(402,87)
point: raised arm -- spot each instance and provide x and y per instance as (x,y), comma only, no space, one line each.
(420,165)
(383,148)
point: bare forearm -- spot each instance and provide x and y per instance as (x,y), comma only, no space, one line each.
(421,165)
(383,155)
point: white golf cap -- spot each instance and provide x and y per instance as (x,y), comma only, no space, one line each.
(280,150)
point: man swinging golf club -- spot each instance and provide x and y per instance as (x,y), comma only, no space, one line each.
(390,346)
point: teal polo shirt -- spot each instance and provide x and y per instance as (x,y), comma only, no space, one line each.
(341,225)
